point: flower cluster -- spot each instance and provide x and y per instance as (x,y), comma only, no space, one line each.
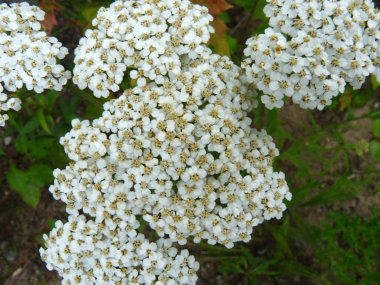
(313,49)
(176,149)
(27,55)
(183,155)
(84,252)
(147,36)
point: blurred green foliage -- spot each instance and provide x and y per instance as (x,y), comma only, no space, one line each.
(345,249)
(349,250)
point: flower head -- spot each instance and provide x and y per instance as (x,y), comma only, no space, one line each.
(149,37)
(312,50)
(181,154)
(85,252)
(176,149)
(28,57)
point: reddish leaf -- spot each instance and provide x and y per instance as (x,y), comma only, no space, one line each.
(218,39)
(345,100)
(49,6)
(215,7)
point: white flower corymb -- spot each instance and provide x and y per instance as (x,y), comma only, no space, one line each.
(28,57)
(183,155)
(176,149)
(147,36)
(84,252)
(313,49)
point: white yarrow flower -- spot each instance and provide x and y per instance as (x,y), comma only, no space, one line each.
(176,149)
(28,57)
(329,44)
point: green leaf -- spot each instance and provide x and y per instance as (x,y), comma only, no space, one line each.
(293,268)
(1,152)
(224,17)
(19,181)
(42,121)
(374,147)
(68,109)
(343,188)
(374,114)
(361,96)
(58,157)
(282,243)
(247,255)
(275,128)
(50,98)
(375,84)
(230,266)
(246,4)
(300,193)
(261,269)
(232,43)
(30,126)
(15,120)
(41,174)
(42,147)
(292,155)
(309,232)
(376,128)
(21,144)
(87,13)
(51,223)
(93,111)
(258,14)
(31,195)
(28,183)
